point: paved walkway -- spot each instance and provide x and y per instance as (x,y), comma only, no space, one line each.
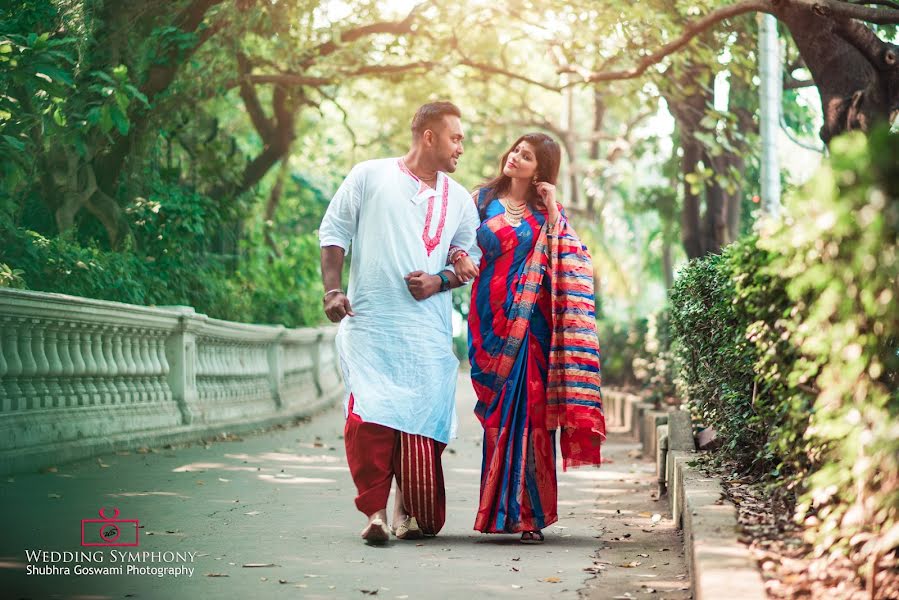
(271,516)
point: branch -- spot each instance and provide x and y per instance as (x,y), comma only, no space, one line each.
(691,30)
(888,3)
(260,121)
(862,39)
(388,69)
(835,8)
(351,35)
(791,83)
(511,75)
(295,79)
(189,20)
(346,116)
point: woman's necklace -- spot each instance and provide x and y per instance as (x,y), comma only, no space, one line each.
(514,212)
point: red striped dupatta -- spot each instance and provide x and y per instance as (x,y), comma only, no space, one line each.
(574,397)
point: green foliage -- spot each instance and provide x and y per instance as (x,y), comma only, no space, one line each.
(655,363)
(789,347)
(621,343)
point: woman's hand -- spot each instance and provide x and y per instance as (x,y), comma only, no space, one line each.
(547,193)
(465,269)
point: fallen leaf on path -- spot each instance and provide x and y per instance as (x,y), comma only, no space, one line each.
(631,564)
(252,513)
(645,514)
(224,480)
(643,555)
(217,575)
(370,592)
(257,565)
(552,580)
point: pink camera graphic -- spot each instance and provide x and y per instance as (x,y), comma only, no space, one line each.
(109,531)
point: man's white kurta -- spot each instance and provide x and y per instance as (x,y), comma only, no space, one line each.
(396,352)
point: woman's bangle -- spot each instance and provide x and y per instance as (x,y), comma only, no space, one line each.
(459,256)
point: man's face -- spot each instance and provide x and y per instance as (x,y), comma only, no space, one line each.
(446,143)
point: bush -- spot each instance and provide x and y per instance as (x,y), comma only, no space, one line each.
(788,347)
(168,264)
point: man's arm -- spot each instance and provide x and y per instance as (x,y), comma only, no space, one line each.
(337,305)
(424,285)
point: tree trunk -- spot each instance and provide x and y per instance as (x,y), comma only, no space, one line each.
(856,73)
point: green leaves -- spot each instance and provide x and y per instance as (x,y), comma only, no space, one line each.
(789,346)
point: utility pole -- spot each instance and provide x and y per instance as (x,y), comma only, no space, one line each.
(770,67)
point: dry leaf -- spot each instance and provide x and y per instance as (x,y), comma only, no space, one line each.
(216,575)
(552,580)
(631,564)
(643,555)
(254,565)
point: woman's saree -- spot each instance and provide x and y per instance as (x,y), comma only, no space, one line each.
(534,366)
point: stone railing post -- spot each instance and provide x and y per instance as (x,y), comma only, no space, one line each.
(275,355)
(181,354)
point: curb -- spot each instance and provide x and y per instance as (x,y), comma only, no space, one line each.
(719,566)
(16,462)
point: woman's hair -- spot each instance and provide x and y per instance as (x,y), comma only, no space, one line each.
(548,155)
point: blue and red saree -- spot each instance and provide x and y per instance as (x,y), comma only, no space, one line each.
(535,366)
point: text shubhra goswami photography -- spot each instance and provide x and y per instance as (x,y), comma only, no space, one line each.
(110,562)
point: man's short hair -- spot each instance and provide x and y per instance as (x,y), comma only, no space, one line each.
(431,114)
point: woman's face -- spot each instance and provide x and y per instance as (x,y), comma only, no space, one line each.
(521,162)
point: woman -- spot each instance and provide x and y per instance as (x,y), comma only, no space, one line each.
(532,342)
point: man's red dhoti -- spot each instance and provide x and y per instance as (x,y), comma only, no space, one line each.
(376,454)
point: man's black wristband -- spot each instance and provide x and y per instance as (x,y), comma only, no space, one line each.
(444,281)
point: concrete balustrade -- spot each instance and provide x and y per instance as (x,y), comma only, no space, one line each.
(79,377)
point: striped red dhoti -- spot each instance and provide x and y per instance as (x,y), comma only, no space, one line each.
(376,454)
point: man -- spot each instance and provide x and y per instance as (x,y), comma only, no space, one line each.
(395,340)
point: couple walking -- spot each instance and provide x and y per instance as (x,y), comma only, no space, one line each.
(416,234)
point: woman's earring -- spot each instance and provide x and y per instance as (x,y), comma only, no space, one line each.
(535,180)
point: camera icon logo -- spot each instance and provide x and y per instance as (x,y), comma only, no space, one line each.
(109,531)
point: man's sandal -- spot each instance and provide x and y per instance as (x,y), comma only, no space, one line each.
(376,533)
(532,537)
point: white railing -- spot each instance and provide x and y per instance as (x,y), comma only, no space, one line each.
(81,376)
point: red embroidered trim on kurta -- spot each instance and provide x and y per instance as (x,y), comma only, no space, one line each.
(431,242)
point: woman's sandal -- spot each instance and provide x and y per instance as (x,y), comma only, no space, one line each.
(532,537)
